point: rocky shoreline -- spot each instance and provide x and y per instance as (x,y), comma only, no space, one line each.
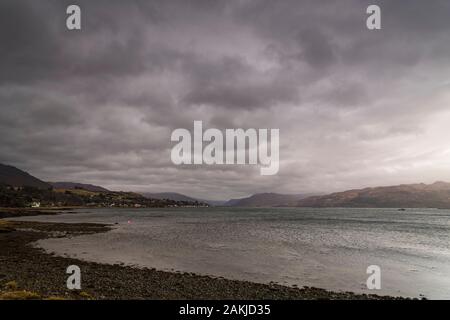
(27,272)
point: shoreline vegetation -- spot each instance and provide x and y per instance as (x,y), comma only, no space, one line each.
(27,272)
(32,197)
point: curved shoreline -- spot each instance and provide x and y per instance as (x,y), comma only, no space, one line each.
(34,270)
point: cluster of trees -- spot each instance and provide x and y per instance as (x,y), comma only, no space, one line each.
(19,197)
(14,197)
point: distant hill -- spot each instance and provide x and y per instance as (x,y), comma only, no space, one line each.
(257,200)
(266,200)
(214,203)
(181,197)
(436,195)
(34,192)
(75,185)
(170,196)
(11,176)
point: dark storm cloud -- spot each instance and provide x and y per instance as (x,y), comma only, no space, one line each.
(30,46)
(37,46)
(317,49)
(231,83)
(355,107)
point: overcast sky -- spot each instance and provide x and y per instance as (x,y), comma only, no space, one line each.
(354,107)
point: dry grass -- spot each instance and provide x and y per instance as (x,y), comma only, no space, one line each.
(19,295)
(11,285)
(13,293)
(6,226)
(55,298)
(85,295)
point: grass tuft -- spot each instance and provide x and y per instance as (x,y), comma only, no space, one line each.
(11,285)
(55,298)
(6,226)
(19,295)
(85,295)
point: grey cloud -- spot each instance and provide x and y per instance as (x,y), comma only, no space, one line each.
(354,107)
(317,49)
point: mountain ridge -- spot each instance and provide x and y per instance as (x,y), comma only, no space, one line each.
(180,197)
(14,177)
(268,199)
(169,195)
(418,195)
(19,189)
(77,185)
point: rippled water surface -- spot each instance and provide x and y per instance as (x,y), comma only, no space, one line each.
(328,248)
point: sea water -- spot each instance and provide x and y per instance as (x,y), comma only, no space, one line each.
(328,248)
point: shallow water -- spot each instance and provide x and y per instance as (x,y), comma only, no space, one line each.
(327,248)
